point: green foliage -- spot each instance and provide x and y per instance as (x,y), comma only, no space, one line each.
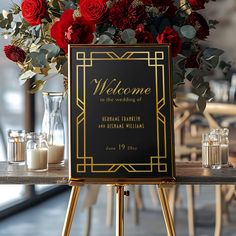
(188,31)
(128,36)
(45,58)
(37,86)
(201,104)
(212,24)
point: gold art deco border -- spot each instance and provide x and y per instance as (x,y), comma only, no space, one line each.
(84,160)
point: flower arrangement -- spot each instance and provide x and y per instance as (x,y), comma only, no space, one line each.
(42,29)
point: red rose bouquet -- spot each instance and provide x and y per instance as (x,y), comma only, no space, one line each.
(42,29)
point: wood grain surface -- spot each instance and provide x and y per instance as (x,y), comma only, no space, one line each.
(186,173)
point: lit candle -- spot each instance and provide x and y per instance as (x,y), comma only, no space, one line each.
(55,154)
(37,159)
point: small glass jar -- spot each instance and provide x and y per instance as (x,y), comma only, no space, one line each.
(206,161)
(224,145)
(16,147)
(211,152)
(36,152)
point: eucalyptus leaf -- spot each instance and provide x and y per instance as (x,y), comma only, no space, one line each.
(37,86)
(127,35)
(60,61)
(55,4)
(197,81)
(52,50)
(203,87)
(212,24)
(178,78)
(64,69)
(209,95)
(17,30)
(209,63)
(225,67)
(191,73)
(10,17)
(109,3)
(38,59)
(176,28)
(5,13)
(37,41)
(179,62)
(16,9)
(201,104)
(37,27)
(69,5)
(4,23)
(25,76)
(54,12)
(209,52)
(188,31)
(34,47)
(111,30)
(105,39)
(214,60)
(132,41)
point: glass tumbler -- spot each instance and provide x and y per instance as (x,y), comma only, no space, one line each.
(211,151)
(36,152)
(16,147)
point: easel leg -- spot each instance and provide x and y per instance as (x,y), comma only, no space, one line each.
(166,211)
(120,210)
(218,223)
(191,216)
(172,200)
(89,222)
(71,210)
(109,217)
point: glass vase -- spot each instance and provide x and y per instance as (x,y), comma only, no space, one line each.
(53,127)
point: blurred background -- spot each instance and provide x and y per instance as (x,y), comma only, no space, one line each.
(47,217)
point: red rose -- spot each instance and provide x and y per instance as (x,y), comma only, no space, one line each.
(70,30)
(197,4)
(125,14)
(143,36)
(14,53)
(33,11)
(192,61)
(93,10)
(170,36)
(200,24)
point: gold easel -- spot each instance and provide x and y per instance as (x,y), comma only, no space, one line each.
(120,193)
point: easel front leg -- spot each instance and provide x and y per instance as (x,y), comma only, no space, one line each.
(71,210)
(120,210)
(166,211)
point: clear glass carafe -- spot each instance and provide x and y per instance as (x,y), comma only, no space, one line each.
(53,126)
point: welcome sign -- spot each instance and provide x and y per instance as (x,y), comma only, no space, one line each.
(120,107)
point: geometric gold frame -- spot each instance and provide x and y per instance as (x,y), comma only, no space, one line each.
(158,161)
(156,62)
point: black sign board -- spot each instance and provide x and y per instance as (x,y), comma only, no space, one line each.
(121,120)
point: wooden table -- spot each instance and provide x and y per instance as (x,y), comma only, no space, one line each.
(186,173)
(17,174)
(189,173)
